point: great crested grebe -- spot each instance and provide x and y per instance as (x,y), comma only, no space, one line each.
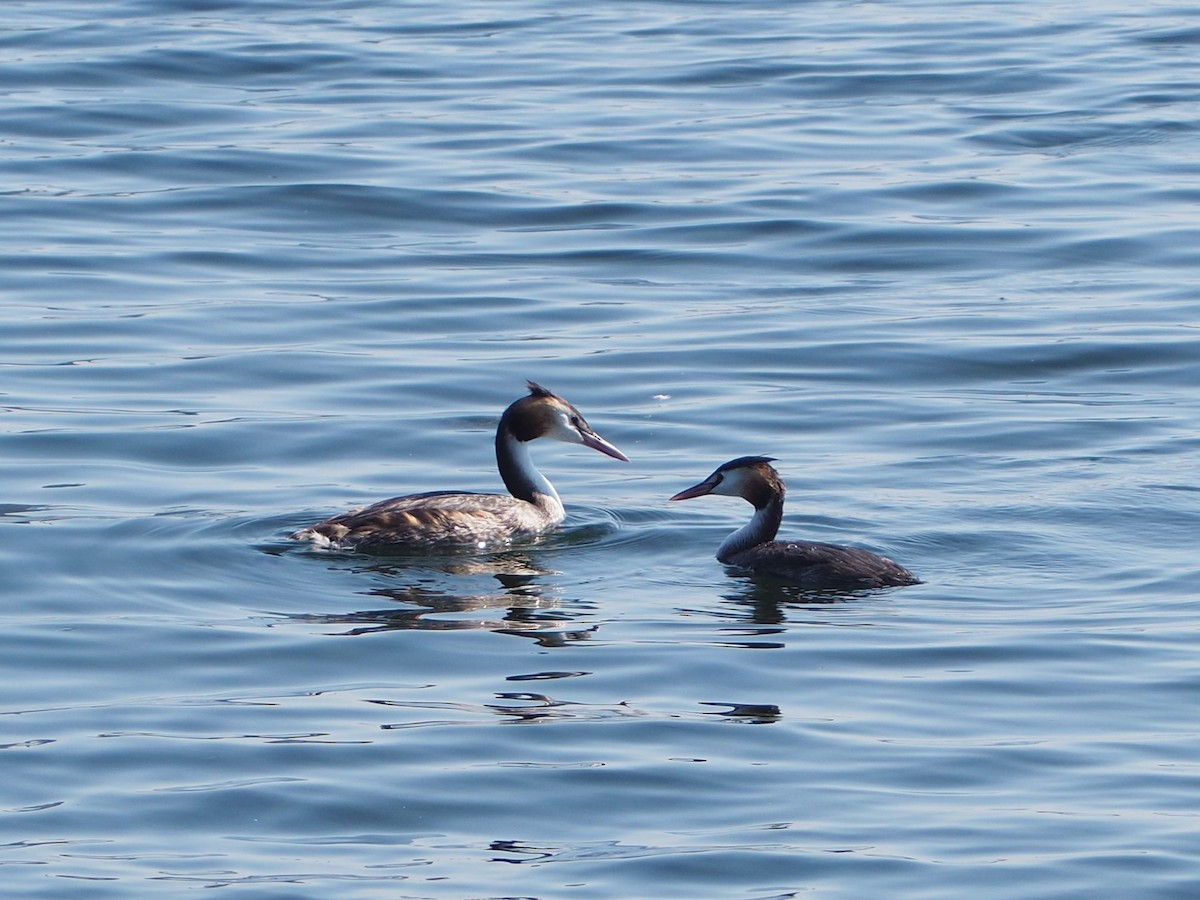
(805,563)
(458,518)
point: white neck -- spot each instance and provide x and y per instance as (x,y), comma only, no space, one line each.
(522,477)
(762,527)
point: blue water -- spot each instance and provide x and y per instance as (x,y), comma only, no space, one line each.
(263,262)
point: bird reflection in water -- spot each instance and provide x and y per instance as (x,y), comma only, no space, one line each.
(522,606)
(524,707)
(762,611)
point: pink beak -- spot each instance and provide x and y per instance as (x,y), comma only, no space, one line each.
(696,490)
(593,440)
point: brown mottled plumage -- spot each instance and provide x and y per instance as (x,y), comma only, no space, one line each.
(458,518)
(806,563)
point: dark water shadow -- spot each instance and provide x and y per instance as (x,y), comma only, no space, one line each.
(521,604)
(513,569)
(769,601)
(508,590)
(514,707)
(20,512)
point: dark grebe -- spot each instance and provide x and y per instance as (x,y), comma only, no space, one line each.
(453,518)
(805,563)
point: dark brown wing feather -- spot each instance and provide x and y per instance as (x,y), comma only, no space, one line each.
(422,521)
(811,564)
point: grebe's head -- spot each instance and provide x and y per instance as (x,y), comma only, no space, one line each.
(752,478)
(544,414)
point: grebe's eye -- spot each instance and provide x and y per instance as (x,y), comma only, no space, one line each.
(576,422)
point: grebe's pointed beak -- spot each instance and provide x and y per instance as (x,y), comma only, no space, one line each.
(696,490)
(593,440)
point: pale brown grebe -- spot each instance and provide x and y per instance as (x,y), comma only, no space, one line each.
(805,563)
(457,518)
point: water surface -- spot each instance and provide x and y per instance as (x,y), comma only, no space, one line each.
(265,262)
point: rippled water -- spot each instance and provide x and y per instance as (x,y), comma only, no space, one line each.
(264,262)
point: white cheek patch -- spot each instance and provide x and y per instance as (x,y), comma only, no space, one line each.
(563,430)
(731,484)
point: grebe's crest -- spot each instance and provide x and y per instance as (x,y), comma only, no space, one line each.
(545,414)
(746,462)
(750,477)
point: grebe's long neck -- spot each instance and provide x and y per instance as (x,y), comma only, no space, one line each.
(762,527)
(521,476)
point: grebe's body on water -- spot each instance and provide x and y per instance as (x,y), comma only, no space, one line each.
(457,518)
(806,563)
